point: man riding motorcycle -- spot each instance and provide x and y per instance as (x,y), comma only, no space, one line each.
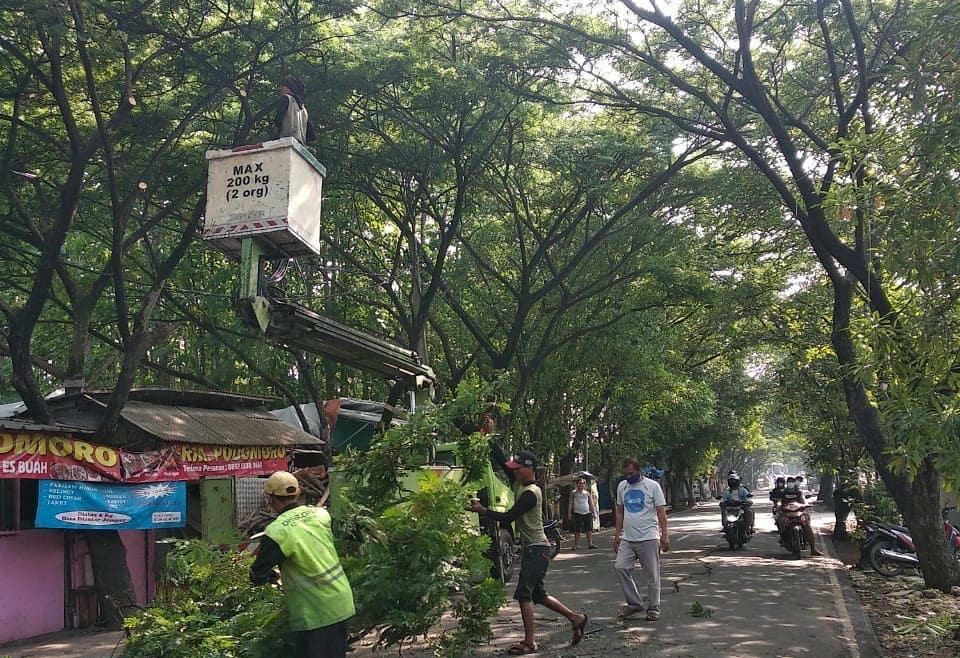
(792,493)
(737,494)
(776,497)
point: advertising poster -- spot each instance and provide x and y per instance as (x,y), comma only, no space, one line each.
(91,506)
(181,461)
(45,456)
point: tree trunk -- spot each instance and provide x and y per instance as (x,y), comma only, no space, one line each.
(825,493)
(114,587)
(940,568)
(919,501)
(841,509)
(22,378)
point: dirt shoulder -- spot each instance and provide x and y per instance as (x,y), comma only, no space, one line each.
(907,619)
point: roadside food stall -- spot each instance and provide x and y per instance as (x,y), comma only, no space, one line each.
(182,464)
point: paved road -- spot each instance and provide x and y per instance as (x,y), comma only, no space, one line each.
(765,603)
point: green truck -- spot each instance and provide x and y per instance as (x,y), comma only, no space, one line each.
(355,428)
(494,492)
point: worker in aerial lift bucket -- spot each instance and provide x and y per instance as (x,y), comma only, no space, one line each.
(290,119)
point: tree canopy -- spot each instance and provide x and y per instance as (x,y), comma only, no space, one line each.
(656,226)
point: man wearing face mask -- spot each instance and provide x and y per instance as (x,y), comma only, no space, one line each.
(641,535)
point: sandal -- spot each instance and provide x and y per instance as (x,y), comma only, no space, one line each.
(578,631)
(628,611)
(522,649)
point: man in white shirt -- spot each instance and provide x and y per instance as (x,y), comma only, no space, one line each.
(641,535)
(580,510)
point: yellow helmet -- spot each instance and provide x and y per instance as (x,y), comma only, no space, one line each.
(283,484)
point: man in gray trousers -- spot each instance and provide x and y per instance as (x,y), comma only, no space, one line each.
(641,536)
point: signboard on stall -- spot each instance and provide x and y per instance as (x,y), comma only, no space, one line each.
(181,461)
(45,456)
(92,506)
(48,456)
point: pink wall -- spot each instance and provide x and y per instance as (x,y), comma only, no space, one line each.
(140,562)
(31,584)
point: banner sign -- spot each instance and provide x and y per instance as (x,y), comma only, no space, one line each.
(182,461)
(45,456)
(87,506)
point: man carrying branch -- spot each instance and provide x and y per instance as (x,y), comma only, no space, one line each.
(527,512)
(317,594)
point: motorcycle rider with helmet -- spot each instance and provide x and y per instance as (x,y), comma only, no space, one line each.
(793,494)
(737,494)
(776,497)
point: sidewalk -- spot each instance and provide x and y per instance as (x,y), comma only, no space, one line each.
(68,644)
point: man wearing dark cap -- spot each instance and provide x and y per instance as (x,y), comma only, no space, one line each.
(527,512)
(290,118)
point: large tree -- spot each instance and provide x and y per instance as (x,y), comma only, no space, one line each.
(809,93)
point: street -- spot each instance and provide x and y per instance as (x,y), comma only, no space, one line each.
(764,603)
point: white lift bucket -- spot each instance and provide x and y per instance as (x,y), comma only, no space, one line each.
(270,191)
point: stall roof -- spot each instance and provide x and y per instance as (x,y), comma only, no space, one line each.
(240,427)
(22,426)
(192,398)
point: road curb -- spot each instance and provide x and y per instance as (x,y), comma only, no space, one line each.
(866,638)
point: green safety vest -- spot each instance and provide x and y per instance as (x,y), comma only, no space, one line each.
(316,590)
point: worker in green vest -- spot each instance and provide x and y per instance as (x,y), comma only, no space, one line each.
(317,594)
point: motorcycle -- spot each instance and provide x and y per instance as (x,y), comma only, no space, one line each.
(889,548)
(952,531)
(792,536)
(735,525)
(551,530)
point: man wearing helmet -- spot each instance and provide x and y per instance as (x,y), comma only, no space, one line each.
(317,595)
(792,493)
(738,495)
(776,497)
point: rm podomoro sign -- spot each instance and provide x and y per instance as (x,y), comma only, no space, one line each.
(45,456)
(181,461)
(42,456)
(270,190)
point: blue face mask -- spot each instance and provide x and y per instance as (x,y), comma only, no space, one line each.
(633,479)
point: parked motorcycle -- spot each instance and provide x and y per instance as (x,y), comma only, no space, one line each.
(735,525)
(792,535)
(889,548)
(551,529)
(952,531)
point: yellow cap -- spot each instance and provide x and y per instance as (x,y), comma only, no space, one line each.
(282,483)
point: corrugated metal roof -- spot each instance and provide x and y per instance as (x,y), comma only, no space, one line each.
(21,426)
(191,398)
(214,426)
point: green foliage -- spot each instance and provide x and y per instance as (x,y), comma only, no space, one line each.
(377,474)
(427,558)
(206,607)
(698,610)
(472,612)
(414,555)
(940,625)
(875,504)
